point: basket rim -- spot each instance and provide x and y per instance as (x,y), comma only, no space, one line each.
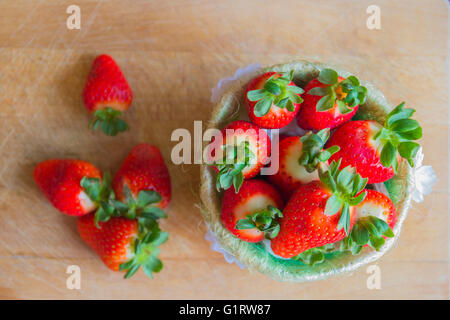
(261,260)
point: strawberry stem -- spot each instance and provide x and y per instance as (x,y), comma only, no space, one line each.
(316,255)
(150,236)
(397,135)
(146,251)
(101,193)
(108,120)
(232,164)
(367,230)
(313,152)
(266,220)
(347,93)
(347,188)
(276,91)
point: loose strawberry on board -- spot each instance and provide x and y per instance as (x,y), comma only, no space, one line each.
(320,212)
(142,184)
(375,218)
(74,187)
(252,214)
(107,94)
(373,149)
(273,100)
(237,153)
(124,244)
(330,101)
(299,158)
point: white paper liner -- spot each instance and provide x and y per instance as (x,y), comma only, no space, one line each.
(424,177)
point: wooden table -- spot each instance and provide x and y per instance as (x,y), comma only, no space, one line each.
(173,53)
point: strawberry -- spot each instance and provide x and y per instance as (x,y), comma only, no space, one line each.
(320,212)
(298,160)
(107,94)
(238,152)
(375,218)
(374,149)
(123,244)
(330,101)
(253,212)
(74,187)
(273,100)
(142,184)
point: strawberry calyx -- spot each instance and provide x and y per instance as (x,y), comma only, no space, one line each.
(276,91)
(367,230)
(141,208)
(315,255)
(266,220)
(150,236)
(146,251)
(108,120)
(313,152)
(347,188)
(235,159)
(347,93)
(397,135)
(101,193)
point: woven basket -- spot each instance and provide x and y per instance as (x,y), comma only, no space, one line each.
(255,256)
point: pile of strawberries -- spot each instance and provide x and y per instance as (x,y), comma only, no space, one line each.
(321,198)
(117,217)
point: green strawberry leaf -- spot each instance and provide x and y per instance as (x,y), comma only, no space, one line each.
(347,191)
(255,95)
(408,150)
(265,220)
(326,102)
(146,251)
(272,87)
(368,230)
(314,256)
(333,206)
(328,76)
(312,152)
(320,91)
(235,159)
(147,197)
(262,107)
(277,91)
(396,137)
(100,192)
(347,94)
(108,120)
(388,154)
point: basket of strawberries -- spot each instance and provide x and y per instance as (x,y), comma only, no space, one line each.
(308,172)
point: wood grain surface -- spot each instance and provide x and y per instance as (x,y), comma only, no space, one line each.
(173,53)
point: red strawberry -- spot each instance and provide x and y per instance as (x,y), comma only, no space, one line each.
(272,99)
(237,153)
(145,178)
(374,149)
(107,94)
(320,212)
(122,244)
(378,205)
(298,160)
(252,213)
(375,218)
(74,187)
(330,101)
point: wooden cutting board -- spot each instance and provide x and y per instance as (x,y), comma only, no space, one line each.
(173,53)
